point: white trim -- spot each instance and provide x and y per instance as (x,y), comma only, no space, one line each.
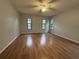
(8,44)
(66,38)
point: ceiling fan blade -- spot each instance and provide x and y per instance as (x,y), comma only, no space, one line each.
(52,1)
(52,9)
(29,6)
(41,1)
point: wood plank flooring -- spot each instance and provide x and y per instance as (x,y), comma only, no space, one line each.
(41,46)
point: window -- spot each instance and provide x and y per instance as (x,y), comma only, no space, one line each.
(52,24)
(43,24)
(29,23)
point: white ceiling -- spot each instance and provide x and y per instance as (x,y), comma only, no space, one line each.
(59,5)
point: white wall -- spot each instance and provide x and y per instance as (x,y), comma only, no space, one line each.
(36,24)
(67,24)
(9,23)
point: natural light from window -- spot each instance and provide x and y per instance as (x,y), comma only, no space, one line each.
(43,24)
(52,24)
(29,23)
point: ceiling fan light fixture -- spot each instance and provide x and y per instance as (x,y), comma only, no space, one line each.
(43,9)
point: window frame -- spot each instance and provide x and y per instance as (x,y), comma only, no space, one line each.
(52,24)
(29,23)
(43,24)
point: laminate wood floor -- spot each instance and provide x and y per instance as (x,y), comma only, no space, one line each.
(41,46)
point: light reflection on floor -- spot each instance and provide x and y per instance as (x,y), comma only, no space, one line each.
(43,39)
(29,41)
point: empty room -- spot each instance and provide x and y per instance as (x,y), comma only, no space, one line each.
(39,29)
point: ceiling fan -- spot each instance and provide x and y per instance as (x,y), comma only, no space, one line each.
(43,7)
(49,1)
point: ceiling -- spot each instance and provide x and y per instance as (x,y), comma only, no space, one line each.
(59,5)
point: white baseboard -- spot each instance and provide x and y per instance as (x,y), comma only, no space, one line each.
(66,38)
(9,44)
